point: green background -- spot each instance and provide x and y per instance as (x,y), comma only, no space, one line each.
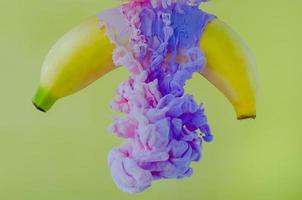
(62,155)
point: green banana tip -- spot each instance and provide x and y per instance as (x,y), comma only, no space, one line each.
(42,100)
(38,107)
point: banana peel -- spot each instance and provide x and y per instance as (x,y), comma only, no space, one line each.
(84,54)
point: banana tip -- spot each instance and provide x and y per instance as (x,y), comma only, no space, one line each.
(243,117)
(38,107)
(43,101)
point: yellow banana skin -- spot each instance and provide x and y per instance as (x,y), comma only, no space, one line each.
(80,57)
(230,67)
(85,54)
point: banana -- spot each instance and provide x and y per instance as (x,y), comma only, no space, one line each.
(230,67)
(79,58)
(85,54)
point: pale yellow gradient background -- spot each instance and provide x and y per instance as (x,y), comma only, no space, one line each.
(62,155)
